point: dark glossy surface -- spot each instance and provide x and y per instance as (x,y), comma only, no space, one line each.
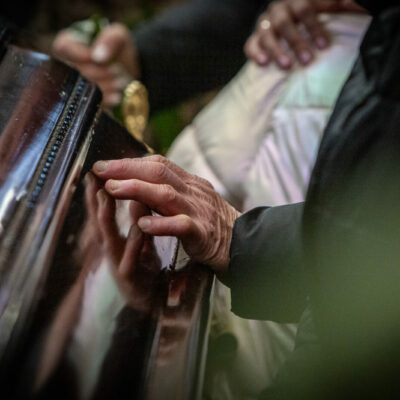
(31,104)
(86,310)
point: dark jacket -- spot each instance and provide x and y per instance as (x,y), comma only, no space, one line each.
(343,249)
(194,47)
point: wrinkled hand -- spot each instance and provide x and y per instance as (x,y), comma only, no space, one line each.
(294,22)
(111,61)
(189,207)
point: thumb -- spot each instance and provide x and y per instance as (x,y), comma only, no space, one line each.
(110,43)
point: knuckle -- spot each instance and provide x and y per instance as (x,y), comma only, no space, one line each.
(279,23)
(157,158)
(277,9)
(302,10)
(160,172)
(115,29)
(116,26)
(121,33)
(205,183)
(185,223)
(61,42)
(272,7)
(168,193)
(63,35)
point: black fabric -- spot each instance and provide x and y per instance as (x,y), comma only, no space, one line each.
(352,221)
(300,377)
(350,234)
(275,255)
(18,12)
(194,47)
(376,6)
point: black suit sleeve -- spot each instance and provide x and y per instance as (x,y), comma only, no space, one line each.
(266,268)
(194,47)
(375,7)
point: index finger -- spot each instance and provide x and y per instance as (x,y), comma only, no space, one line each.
(66,47)
(146,169)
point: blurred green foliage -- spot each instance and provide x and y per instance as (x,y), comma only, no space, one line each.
(165,126)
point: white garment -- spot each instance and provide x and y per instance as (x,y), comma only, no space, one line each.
(256,142)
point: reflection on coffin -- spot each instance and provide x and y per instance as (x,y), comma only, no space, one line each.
(88,309)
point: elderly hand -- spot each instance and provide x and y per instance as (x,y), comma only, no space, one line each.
(189,207)
(111,61)
(283,21)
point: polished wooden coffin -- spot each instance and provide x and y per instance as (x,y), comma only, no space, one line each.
(85,311)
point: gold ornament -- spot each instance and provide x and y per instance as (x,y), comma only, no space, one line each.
(135,109)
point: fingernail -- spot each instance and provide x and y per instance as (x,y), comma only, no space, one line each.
(305,56)
(321,42)
(113,99)
(100,166)
(114,185)
(144,223)
(284,61)
(100,53)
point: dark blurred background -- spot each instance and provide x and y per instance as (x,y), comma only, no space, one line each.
(40,20)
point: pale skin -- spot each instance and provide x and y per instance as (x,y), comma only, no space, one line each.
(281,24)
(111,61)
(189,207)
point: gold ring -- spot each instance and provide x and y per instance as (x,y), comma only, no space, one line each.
(265,24)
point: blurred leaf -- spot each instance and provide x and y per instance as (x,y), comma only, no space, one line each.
(165,126)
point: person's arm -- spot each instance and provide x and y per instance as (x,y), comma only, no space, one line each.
(194,47)
(266,269)
(263,246)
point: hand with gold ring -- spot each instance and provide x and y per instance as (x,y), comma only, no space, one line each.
(265,24)
(281,22)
